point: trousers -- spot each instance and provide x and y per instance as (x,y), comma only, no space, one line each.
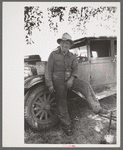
(61,97)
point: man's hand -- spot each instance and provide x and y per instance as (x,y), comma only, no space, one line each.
(69,83)
(51,89)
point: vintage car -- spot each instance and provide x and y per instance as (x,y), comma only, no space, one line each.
(97,57)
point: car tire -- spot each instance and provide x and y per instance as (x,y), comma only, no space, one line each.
(41,112)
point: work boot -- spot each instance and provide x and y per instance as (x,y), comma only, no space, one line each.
(67,130)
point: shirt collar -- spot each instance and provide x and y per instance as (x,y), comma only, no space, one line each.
(68,53)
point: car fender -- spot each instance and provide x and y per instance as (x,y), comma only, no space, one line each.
(33,80)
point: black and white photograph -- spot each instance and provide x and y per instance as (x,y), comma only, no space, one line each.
(65,67)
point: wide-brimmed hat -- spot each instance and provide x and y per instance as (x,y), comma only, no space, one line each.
(66,37)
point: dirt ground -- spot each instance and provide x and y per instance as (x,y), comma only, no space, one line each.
(88,128)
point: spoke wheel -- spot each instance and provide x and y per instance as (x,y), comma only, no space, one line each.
(41,111)
(44,107)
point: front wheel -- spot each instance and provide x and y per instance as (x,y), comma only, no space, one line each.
(41,111)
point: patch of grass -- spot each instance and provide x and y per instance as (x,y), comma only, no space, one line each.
(83,128)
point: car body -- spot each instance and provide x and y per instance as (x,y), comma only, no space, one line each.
(97,57)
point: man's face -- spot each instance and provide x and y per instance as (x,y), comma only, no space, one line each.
(65,45)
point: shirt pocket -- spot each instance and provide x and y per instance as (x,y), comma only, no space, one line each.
(59,63)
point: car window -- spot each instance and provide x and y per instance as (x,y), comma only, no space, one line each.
(100,48)
(81,53)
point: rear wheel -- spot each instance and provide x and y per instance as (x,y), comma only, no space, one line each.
(41,111)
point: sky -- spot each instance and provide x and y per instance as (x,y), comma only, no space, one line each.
(45,40)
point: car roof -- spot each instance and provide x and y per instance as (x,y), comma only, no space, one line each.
(82,41)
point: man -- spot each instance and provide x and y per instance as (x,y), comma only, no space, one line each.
(62,75)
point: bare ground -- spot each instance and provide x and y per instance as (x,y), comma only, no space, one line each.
(87,128)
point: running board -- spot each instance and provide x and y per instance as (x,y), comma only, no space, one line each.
(101,95)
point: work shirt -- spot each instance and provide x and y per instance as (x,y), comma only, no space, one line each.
(60,67)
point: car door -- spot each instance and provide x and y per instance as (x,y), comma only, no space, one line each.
(103,62)
(83,62)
